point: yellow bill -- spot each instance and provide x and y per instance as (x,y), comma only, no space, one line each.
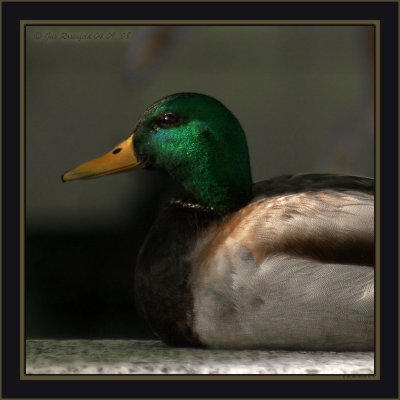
(121,158)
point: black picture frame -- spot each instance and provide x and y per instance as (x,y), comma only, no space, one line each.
(12,384)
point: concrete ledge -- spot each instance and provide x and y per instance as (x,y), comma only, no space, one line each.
(153,357)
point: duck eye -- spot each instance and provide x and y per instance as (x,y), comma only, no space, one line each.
(168,120)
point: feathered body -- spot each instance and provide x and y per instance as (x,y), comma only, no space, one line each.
(293,269)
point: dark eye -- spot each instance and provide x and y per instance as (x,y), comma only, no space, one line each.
(168,120)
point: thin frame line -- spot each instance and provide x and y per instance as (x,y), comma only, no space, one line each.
(266,377)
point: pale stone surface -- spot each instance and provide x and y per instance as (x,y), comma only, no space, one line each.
(153,357)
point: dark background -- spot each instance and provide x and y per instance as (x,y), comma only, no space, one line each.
(304,95)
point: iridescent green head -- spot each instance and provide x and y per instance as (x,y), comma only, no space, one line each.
(196,140)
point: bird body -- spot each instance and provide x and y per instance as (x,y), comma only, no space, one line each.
(286,271)
(283,264)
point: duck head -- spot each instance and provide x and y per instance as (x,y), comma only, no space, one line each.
(192,137)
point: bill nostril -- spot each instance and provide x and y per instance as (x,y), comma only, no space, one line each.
(116,151)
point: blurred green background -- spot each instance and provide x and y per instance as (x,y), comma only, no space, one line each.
(304,96)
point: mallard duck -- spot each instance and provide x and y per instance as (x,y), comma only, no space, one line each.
(287,263)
